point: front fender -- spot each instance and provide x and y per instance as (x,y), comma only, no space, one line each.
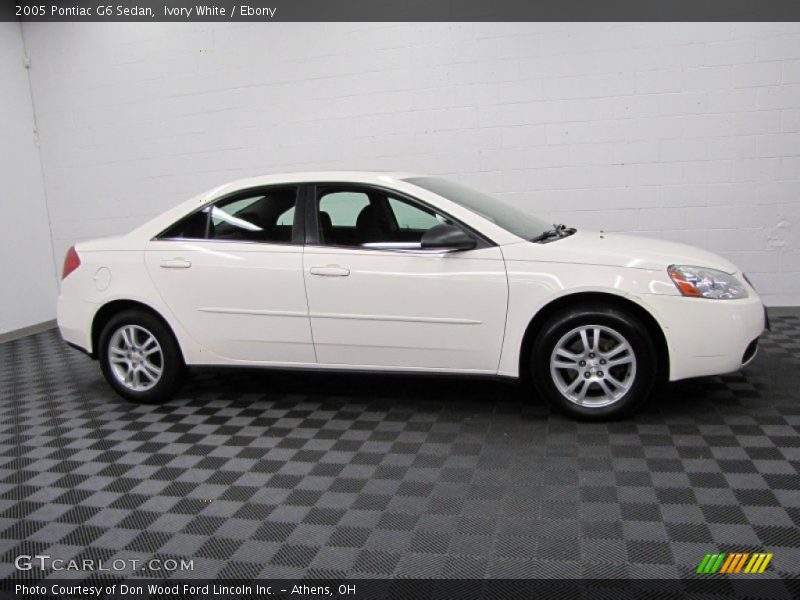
(532,286)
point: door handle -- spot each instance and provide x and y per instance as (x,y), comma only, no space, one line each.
(330,271)
(176,263)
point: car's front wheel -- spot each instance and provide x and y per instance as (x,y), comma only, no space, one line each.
(594,362)
(139,357)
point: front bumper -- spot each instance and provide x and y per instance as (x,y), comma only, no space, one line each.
(708,337)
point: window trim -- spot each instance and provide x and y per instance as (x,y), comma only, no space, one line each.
(312,220)
(298,224)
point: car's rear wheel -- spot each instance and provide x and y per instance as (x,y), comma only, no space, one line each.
(594,362)
(139,357)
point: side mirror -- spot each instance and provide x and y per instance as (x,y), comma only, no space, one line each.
(447,238)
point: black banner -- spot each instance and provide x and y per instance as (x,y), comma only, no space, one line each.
(752,587)
(401,10)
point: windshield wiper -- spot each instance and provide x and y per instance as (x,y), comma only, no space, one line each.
(556,233)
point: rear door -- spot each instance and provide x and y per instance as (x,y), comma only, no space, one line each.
(232,276)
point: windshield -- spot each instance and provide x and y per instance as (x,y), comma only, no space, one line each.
(511,219)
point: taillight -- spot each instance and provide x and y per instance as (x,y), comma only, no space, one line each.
(71,262)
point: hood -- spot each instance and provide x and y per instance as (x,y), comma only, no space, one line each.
(617,250)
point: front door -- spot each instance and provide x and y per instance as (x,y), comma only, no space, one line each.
(232,276)
(377,299)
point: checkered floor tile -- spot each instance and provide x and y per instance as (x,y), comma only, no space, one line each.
(263,474)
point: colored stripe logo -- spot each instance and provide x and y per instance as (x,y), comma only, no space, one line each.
(734,562)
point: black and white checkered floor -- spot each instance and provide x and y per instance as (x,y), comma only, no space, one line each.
(263,474)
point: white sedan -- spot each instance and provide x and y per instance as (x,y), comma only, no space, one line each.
(407,273)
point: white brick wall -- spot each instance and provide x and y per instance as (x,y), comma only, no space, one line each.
(27,272)
(688,132)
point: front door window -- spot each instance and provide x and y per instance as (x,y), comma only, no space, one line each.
(372,219)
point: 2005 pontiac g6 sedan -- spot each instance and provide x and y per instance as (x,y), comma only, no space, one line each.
(400,272)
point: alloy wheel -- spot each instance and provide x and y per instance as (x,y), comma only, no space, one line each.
(135,357)
(593,366)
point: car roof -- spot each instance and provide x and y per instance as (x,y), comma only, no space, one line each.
(373,177)
(391,179)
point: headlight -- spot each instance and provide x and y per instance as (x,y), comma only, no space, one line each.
(701,282)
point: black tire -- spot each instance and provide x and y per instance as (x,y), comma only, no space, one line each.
(171,361)
(611,320)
